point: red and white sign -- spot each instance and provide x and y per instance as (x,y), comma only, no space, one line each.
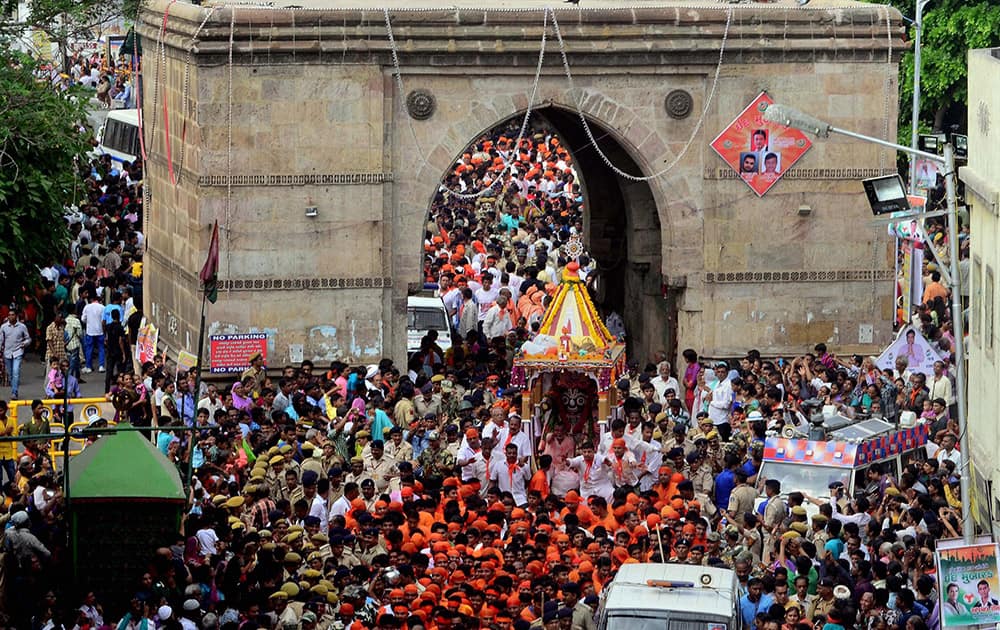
(760,150)
(231,353)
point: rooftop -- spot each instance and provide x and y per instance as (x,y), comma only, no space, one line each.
(630,592)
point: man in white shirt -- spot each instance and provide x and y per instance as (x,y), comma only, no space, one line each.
(940,384)
(485,295)
(517,437)
(497,322)
(720,401)
(318,507)
(93,327)
(212,401)
(663,381)
(595,479)
(514,281)
(342,505)
(511,475)
(207,540)
(497,430)
(948,451)
(621,464)
(469,454)
(649,455)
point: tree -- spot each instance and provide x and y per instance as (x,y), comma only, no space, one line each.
(41,147)
(951,29)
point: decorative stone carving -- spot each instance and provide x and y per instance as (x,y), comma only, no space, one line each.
(297,179)
(679,104)
(833,275)
(299,284)
(420,104)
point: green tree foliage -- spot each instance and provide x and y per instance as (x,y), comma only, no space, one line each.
(41,146)
(951,29)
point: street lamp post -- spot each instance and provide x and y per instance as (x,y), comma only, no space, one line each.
(918,25)
(789,117)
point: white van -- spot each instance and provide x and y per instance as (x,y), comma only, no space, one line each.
(670,597)
(119,135)
(424,314)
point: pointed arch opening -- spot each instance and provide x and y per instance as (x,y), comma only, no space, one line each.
(562,188)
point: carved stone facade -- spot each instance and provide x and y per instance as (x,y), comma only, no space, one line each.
(309,114)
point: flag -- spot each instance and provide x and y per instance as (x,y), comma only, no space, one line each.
(210,272)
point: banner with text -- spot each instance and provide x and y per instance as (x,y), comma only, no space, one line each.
(967,582)
(231,353)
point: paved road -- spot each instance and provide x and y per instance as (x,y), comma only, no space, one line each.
(33,381)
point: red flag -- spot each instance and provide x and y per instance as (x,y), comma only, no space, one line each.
(211,268)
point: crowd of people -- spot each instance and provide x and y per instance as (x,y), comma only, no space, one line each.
(110,80)
(415,496)
(79,318)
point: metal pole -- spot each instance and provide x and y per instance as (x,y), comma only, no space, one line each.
(889,145)
(918,25)
(197,387)
(958,328)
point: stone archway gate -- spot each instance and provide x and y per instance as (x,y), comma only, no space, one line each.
(273,110)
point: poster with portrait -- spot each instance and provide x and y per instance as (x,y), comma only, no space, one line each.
(759,150)
(919,353)
(968,585)
(927,172)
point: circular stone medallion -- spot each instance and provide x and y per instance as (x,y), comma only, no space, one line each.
(420,104)
(678,104)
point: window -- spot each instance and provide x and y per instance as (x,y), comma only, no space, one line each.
(988,310)
(975,291)
(426,319)
(121,137)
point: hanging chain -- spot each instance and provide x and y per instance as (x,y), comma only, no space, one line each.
(508,164)
(160,52)
(590,134)
(229,153)
(185,94)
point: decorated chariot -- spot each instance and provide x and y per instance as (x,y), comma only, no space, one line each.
(567,373)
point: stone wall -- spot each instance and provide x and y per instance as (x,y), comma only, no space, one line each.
(317,120)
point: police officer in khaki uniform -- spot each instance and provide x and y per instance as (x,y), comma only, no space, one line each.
(380,468)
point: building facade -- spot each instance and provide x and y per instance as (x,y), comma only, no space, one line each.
(982,191)
(273,110)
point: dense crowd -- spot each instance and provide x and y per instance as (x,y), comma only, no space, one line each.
(110,81)
(385,496)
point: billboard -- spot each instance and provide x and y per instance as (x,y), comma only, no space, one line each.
(759,150)
(968,583)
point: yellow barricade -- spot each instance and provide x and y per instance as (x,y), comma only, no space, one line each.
(83,408)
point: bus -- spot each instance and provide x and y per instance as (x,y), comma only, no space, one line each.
(119,135)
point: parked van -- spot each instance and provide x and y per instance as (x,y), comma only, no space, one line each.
(119,135)
(424,314)
(670,597)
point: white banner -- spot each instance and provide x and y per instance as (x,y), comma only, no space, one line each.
(919,352)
